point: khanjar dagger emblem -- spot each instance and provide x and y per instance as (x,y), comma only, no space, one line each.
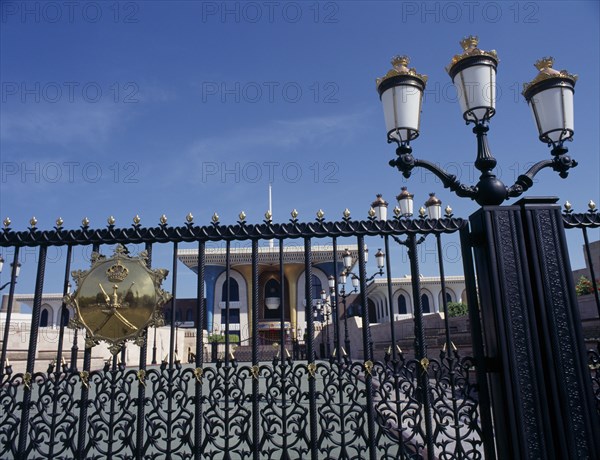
(117,299)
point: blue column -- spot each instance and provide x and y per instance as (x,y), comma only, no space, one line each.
(211,273)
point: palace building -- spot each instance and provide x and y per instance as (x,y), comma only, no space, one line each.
(269,287)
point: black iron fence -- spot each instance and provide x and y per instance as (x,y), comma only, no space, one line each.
(210,403)
(583,222)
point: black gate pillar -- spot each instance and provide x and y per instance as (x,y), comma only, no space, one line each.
(542,399)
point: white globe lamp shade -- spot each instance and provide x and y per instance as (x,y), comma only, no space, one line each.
(474,75)
(401,93)
(550,97)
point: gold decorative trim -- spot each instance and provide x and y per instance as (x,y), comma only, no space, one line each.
(369,367)
(254,371)
(117,299)
(546,72)
(469,46)
(27,380)
(312,369)
(400,67)
(424,364)
(85,378)
(141,376)
(198,373)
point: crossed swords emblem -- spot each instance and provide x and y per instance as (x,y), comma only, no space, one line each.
(112,306)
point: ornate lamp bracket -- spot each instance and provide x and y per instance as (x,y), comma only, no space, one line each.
(489,190)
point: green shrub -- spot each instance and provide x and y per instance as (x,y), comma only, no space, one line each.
(220,338)
(457,309)
(584,286)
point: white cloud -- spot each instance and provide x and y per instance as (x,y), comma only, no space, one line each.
(61,124)
(276,135)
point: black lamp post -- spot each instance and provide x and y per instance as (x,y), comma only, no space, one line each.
(526,303)
(334,309)
(343,294)
(16,273)
(348,262)
(322,311)
(317,310)
(550,96)
(431,209)
(154,347)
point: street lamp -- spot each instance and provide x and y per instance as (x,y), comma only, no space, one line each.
(550,96)
(432,207)
(380,206)
(334,309)
(343,294)
(323,309)
(537,224)
(17,270)
(347,260)
(405,203)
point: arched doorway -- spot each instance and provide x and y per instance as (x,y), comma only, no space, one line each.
(372,311)
(271,307)
(44,318)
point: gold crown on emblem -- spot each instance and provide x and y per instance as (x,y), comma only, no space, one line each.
(117,273)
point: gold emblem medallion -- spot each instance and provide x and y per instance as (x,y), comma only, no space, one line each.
(117,299)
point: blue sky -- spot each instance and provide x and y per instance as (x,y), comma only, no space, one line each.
(152,107)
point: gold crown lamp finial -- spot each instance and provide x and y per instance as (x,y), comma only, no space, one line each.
(469,42)
(400,68)
(544,63)
(400,61)
(546,72)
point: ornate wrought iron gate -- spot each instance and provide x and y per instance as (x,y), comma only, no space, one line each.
(391,404)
